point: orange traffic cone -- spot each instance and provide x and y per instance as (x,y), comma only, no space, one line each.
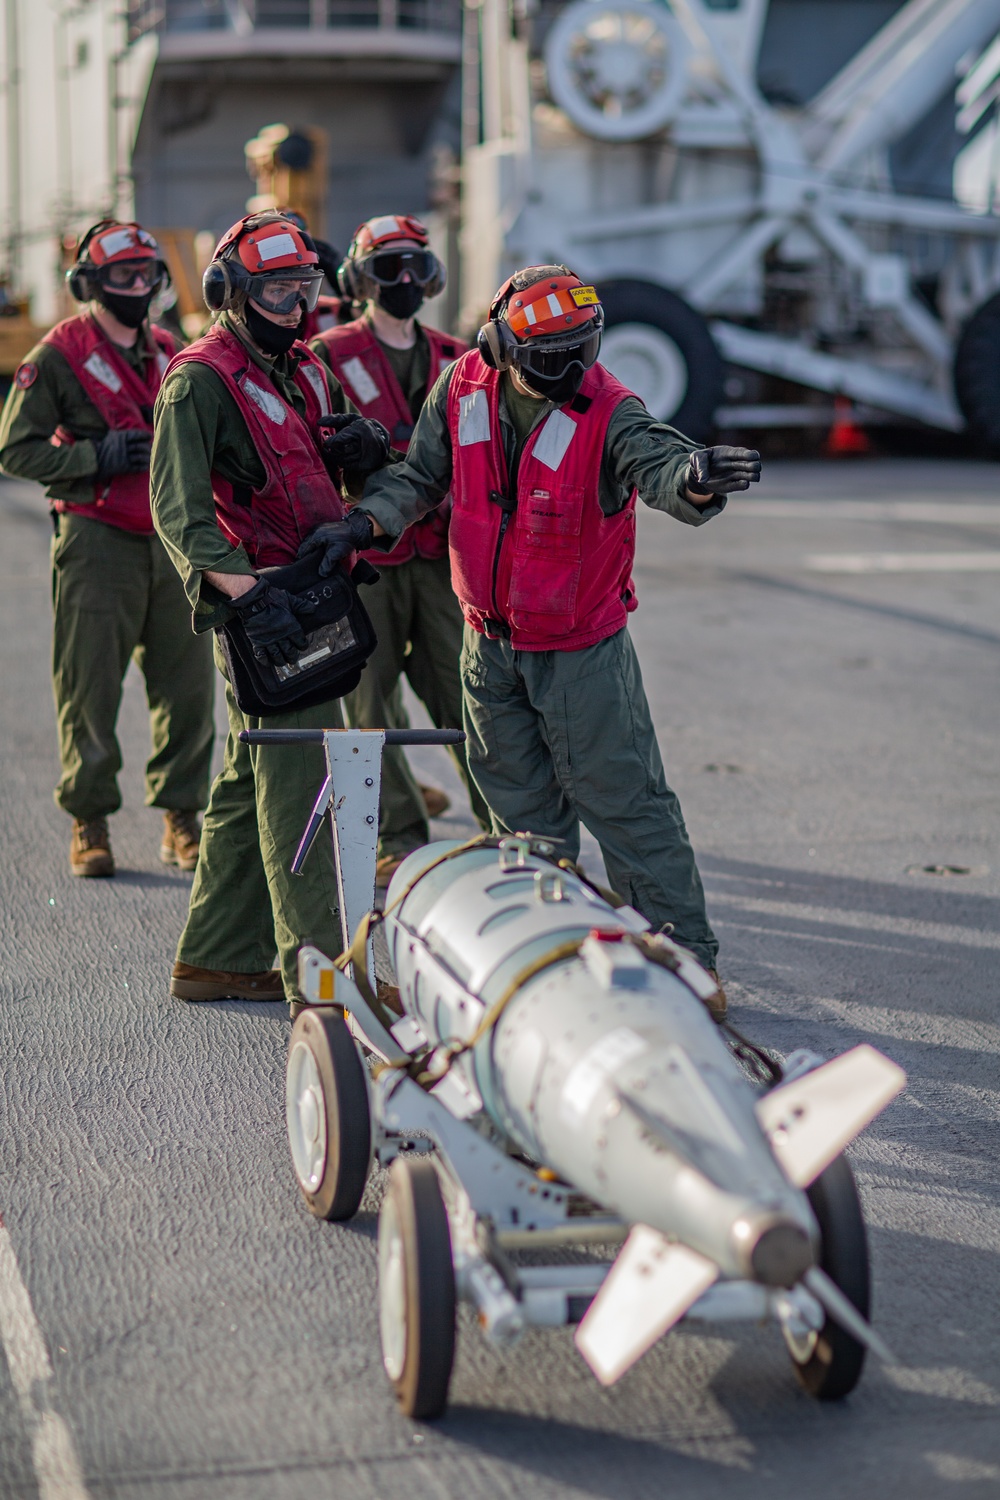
(845,436)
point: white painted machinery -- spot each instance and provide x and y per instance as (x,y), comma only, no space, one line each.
(570,1136)
(632,141)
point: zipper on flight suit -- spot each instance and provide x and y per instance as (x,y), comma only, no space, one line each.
(508,502)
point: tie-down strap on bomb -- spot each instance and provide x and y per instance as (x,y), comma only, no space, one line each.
(657,948)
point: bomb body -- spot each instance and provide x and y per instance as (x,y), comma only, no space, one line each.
(603,1066)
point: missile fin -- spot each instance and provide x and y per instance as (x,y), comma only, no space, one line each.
(842,1311)
(810,1120)
(648,1289)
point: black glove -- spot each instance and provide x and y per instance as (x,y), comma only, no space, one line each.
(351,442)
(125,451)
(722,471)
(271,619)
(335,539)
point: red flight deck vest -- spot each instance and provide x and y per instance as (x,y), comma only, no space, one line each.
(298,493)
(360,364)
(546,563)
(124,401)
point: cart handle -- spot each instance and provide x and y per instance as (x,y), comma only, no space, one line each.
(315,736)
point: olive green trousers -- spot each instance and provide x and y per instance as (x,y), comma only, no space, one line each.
(560,738)
(419,627)
(116,596)
(245,903)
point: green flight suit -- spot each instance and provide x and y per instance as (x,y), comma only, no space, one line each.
(244,903)
(115,597)
(556,738)
(419,628)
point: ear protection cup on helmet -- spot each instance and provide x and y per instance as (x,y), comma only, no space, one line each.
(496,345)
(437,284)
(216,286)
(79,283)
(347,281)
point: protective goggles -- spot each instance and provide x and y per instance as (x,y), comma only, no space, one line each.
(551,362)
(388,267)
(131,275)
(283,294)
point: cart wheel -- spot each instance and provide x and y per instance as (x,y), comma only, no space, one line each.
(326,1109)
(416,1289)
(829,1362)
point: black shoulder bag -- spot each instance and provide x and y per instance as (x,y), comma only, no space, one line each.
(339,634)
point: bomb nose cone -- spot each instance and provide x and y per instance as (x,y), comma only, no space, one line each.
(781,1256)
(774,1254)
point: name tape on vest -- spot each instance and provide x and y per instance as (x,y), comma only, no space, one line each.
(557,433)
(360,381)
(473,419)
(318,384)
(102,372)
(268,402)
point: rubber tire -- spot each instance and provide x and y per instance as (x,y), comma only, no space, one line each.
(648,302)
(348,1115)
(429,1279)
(835,1366)
(977,373)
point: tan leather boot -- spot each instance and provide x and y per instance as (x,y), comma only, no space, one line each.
(90,848)
(385,869)
(436,802)
(188,982)
(181,839)
(717,1005)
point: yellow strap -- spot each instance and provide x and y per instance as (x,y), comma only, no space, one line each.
(611,897)
(357,954)
(496,1010)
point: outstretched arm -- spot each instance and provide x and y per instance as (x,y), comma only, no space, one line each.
(666,468)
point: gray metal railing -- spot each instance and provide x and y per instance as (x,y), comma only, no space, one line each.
(246,16)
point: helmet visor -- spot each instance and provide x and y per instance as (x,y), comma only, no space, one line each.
(550,364)
(388,267)
(131,275)
(283,294)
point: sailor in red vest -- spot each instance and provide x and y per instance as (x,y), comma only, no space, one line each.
(79,420)
(544,453)
(387,361)
(254,439)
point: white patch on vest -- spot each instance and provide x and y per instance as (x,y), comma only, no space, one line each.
(360,381)
(556,434)
(102,372)
(161,362)
(445,361)
(318,384)
(276,245)
(269,403)
(473,419)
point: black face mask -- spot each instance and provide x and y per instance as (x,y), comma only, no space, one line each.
(131,311)
(560,389)
(402,300)
(271,337)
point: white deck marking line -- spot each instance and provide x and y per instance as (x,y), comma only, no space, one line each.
(940,512)
(57,1468)
(902,562)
